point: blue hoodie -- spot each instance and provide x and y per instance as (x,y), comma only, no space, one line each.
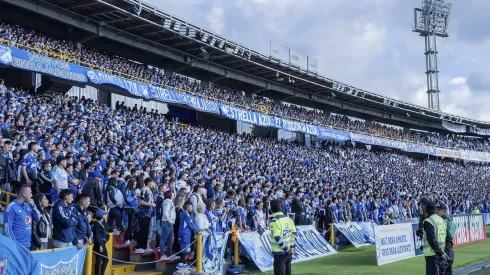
(64,223)
(82,229)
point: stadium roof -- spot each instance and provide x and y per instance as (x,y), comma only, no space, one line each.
(146,21)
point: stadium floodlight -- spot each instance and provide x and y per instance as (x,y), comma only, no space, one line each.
(431,21)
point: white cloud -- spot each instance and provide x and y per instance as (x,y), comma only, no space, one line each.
(368,44)
(458,81)
(216,20)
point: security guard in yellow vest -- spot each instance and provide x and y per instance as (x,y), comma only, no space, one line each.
(434,241)
(283,237)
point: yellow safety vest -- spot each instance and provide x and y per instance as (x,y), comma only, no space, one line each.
(283,233)
(476,210)
(440,231)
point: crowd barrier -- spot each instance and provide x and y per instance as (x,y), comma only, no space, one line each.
(11,56)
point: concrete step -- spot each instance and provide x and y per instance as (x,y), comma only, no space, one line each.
(122,269)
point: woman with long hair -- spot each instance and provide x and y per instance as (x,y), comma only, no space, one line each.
(114,200)
(179,207)
(131,208)
(41,230)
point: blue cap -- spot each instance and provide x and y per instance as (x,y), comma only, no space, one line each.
(100,212)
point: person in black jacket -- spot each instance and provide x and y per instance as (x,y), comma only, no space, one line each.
(41,230)
(99,228)
(45,177)
(297,209)
(92,190)
(328,217)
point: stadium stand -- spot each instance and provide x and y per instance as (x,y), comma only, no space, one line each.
(31,40)
(130,159)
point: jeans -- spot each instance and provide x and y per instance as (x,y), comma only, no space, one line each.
(115,215)
(167,236)
(58,244)
(43,246)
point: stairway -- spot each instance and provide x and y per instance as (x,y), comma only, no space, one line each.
(50,86)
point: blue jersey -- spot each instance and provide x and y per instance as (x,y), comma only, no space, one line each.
(18,224)
(30,162)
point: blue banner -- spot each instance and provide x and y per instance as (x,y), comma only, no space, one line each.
(195,102)
(327,133)
(487,218)
(214,247)
(358,233)
(420,148)
(133,87)
(42,64)
(61,261)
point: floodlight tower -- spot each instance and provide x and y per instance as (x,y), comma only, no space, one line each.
(431,21)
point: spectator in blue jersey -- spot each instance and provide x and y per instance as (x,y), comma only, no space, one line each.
(186,228)
(251,218)
(82,228)
(60,179)
(16,259)
(19,215)
(29,173)
(64,222)
(335,211)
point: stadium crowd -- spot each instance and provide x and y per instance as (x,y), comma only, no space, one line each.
(155,175)
(159,178)
(58,48)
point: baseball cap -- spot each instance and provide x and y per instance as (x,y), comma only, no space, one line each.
(441,206)
(100,212)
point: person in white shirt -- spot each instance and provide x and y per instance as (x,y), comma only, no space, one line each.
(202,221)
(196,199)
(60,179)
(167,224)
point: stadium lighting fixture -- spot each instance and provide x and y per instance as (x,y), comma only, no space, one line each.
(431,21)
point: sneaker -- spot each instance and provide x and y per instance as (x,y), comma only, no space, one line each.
(164,258)
(148,250)
(127,242)
(182,266)
(174,257)
(139,251)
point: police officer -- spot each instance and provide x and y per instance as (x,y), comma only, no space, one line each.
(283,236)
(434,241)
(451,230)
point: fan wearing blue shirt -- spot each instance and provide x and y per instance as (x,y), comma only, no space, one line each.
(19,216)
(30,164)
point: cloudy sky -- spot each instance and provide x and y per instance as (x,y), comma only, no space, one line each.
(365,43)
